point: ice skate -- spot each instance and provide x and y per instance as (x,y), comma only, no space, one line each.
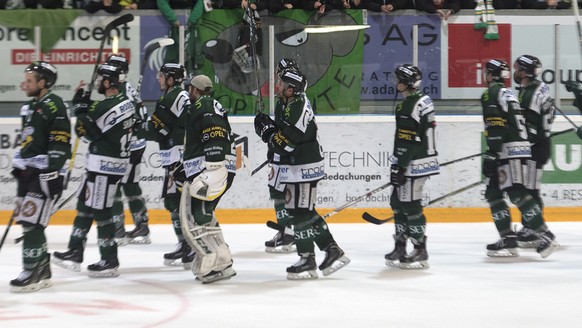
(33,280)
(175,258)
(214,276)
(188,260)
(120,235)
(504,247)
(527,238)
(393,257)
(104,269)
(70,260)
(139,235)
(418,259)
(547,244)
(334,260)
(304,269)
(282,242)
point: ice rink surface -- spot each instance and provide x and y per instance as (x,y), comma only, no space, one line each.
(462,287)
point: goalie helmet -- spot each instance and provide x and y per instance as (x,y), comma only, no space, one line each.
(176,71)
(498,69)
(120,61)
(531,65)
(110,73)
(294,79)
(409,75)
(44,71)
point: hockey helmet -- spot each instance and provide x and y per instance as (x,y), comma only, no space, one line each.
(408,75)
(176,71)
(498,69)
(286,63)
(531,65)
(44,71)
(110,73)
(294,79)
(118,60)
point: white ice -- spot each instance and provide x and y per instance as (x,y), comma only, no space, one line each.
(462,287)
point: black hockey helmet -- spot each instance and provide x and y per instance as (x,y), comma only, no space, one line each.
(294,79)
(118,60)
(409,75)
(44,71)
(110,73)
(286,63)
(498,69)
(177,71)
(531,65)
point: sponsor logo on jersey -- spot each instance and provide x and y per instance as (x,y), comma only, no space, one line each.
(424,168)
(113,167)
(313,172)
(518,151)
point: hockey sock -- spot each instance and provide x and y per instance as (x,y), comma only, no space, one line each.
(279,204)
(105,238)
(175,217)
(322,234)
(531,213)
(304,235)
(136,202)
(501,216)
(400,224)
(34,247)
(117,209)
(81,227)
(417,226)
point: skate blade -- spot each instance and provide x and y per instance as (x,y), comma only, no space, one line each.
(188,265)
(110,273)
(176,262)
(508,252)
(66,264)
(281,249)
(222,275)
(32,287)
(305,275)
(392,263)
(341,262)
(141,240)
(548,251)
(419,265)
(121,242)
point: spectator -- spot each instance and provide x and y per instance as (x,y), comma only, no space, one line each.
(277,6)
(444,8)
(387,6)
(545,4)
(350,4)
(110,6)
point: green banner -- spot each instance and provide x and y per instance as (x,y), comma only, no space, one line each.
(331,61)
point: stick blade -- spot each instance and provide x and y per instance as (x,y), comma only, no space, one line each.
(372,219)
(119,21)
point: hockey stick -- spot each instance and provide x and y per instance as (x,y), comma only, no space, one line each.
(149,48)
(260,167)
(372,219)
(566,117)
(578,24)
(7,229)
(260,107)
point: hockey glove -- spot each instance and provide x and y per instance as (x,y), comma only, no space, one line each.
(541,151)
(178,174)
(573,86)
(51,184)
(81,102)
(265,127)
(489,168)
(397,177)
(211,183)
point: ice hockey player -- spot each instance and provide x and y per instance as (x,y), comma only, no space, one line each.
(295,139)
(576,88)
(37,167)
(505,161)
(208,141)
(107,126)
(539,112)
(140,234)
(166,127)
(414,148)
(283,241)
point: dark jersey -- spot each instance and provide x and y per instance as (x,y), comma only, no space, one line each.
(297,142)
(505,130)
(414,142)
(108,126)
(208,135)
(46,134)
(166,125)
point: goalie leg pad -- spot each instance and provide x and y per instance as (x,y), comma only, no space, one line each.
(212,253)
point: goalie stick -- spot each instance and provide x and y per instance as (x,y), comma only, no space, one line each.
(250,18)
(372,219)
(7,229)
